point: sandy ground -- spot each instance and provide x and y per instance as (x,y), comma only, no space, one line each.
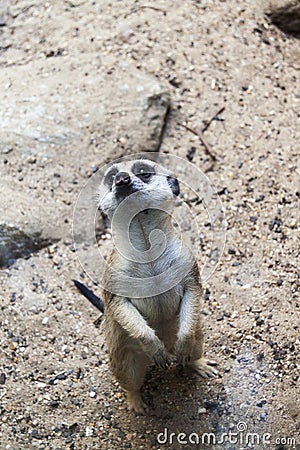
(56,389)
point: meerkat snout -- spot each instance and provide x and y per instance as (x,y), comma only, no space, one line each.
(122,179)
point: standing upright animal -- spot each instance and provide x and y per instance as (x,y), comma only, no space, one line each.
(151,285)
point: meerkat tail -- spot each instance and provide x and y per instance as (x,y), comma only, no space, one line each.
(96,301)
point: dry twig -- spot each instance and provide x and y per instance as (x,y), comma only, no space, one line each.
(135,9)
(207,124)
(199,133)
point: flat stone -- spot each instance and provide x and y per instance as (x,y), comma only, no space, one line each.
(121,111)
(23,225)
(15,243)
(286,16)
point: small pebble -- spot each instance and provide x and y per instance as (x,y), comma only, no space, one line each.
(263,416)
(31,159)
(6,150)
(89,431)
(2,378)
(261,403)
(259,321)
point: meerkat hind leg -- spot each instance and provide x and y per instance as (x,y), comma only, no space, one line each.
(204,367)
(135,402)
(130,367)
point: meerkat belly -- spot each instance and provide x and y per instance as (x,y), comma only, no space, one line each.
(159,308)
(162,314)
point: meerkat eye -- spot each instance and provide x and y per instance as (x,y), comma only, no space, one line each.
(143,171)
(144,174)
(110,176)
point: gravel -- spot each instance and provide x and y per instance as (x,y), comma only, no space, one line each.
(56,389)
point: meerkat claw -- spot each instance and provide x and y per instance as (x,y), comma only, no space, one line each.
(204,367)
(136,403)
(161,359)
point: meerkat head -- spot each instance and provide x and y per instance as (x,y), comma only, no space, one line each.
(144,182)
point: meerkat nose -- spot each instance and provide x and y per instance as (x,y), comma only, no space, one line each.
(122,179)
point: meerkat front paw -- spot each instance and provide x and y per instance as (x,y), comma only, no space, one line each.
(161,358)
(204,367)
(183,350)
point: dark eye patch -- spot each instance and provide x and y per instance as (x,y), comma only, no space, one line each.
(109,177)
(174,185)
(143,171)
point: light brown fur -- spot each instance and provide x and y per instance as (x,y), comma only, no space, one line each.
(140,331)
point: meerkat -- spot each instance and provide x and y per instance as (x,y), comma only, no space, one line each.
(151,287)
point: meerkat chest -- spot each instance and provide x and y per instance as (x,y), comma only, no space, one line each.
(160,308)
(159,261)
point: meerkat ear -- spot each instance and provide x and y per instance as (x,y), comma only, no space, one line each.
(174,185)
